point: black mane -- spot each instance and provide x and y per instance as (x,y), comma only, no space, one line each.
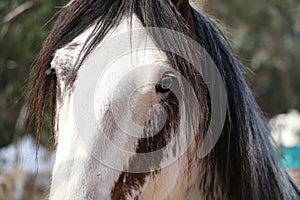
(243,164)
(248,164)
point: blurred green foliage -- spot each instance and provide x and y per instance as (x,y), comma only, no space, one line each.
(20,40)
(266,37)
(264,34)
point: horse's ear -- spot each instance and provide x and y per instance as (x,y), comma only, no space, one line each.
(184,8)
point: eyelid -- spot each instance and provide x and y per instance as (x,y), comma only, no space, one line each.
(169,74)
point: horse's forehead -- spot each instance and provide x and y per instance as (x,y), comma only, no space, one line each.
(66,58)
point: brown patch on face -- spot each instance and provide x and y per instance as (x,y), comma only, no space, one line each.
(126,183)
(135,181)
(184,8)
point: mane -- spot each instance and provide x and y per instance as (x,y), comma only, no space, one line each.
(243,164)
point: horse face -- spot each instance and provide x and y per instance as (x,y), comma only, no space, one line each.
(104,120)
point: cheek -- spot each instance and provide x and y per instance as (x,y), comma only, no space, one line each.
(141,102)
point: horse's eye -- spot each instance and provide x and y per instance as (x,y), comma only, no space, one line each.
(166,82)
(51,72)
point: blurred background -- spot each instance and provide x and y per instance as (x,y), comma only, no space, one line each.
(265,35)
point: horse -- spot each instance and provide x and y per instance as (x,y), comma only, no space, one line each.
(134,123)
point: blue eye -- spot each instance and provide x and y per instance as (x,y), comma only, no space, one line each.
(166,82)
